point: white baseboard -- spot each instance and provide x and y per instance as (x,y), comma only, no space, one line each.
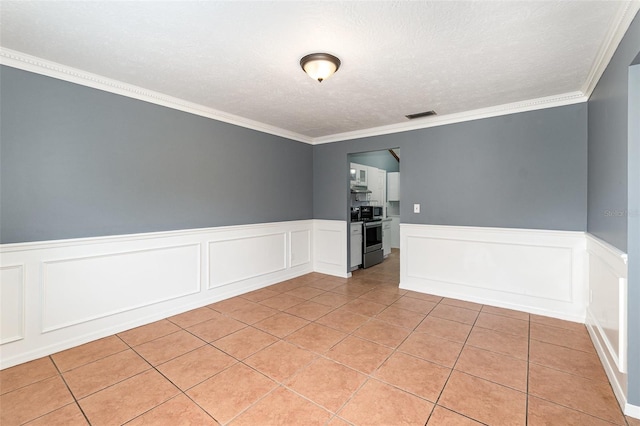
(632,411)
(617,379)
(60,294)
(537,271)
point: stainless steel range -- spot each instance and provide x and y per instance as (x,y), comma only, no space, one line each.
(372,243)
(372,253)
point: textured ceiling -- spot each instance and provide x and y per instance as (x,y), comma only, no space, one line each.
(398,58)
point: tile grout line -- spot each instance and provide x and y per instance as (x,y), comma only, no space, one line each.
(70,392)
(453,369)
(324,356)
(242,361)
(529,363)
(396,350)
(209,343)
(368,377)
(180,391)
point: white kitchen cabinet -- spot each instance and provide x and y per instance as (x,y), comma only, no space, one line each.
(363,176)
(386,237)
(353,174)
(395,231)
(372,185)
(377,182)
(382,187)
(358,174)
(393,186)
(356,245)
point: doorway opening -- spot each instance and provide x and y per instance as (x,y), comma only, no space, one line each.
(374,209)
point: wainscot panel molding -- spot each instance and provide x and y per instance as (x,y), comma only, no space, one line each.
(11,303)
(330,247)
(81,289)
(252,257)
(537,271)
(59,294)
(607,313)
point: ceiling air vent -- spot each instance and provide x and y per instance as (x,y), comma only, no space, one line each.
(420,114)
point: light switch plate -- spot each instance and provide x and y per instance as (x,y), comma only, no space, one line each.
(416,208)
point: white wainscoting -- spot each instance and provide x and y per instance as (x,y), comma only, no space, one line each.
(607,311)
(82,289)
(330,247)
(537,271)
(11,303)
(56,295)
(252,256)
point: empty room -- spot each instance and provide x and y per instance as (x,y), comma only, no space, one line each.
(320,213)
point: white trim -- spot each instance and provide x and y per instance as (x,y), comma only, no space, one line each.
(255,255)
(632,410)
(41,66)
(618,381)
(19,60)
(607,280)
(36,65)
(41,245)
(96,314)
(616,32)
(73,288)
(607,311)
(330,247)
(22,304)
(603,248)
(293,260)
(321,247)
(536,271)
(477,114)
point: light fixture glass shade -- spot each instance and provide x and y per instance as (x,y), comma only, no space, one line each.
(320,66)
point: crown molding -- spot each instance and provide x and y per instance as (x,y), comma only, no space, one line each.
(477,114)
(41,66)
(37,65)
(616,32)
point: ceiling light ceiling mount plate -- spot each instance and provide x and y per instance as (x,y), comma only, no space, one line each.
(320,66)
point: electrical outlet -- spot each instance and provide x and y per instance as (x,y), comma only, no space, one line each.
(416,208)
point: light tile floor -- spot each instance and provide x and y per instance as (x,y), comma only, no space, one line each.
(324,350)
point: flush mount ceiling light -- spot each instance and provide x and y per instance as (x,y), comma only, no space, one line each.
(320,66)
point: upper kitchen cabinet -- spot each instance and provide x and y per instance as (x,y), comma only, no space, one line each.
(381,187)
(393,186)
(358,174)
(374,179)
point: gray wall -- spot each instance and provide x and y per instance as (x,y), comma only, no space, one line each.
(614,176)
(79,162)
(607,200)
(526,170)
(380,159)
